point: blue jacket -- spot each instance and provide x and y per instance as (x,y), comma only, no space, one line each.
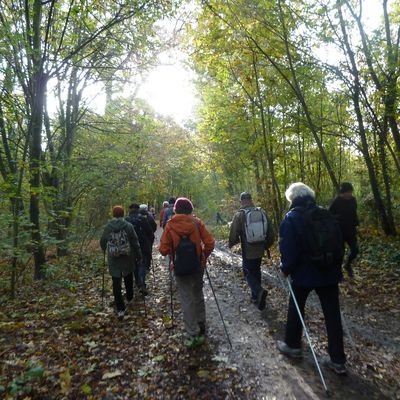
(294,259)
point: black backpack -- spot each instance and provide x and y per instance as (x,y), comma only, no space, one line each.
(136,221)
(322,237)
(185,257)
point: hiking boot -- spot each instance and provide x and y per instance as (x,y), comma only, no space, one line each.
(194,341)
(339,369)
(120,314)
(202,327)
(143,291)
(262,297)
(129,303)
(289,351)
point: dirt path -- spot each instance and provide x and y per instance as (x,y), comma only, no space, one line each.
(58,341)
(253,334)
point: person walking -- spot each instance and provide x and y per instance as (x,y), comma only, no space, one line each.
(253,248)
(344,208)
(298,263)
(145,235)
(188,243)
(162,212)
(169,211)
(123,254)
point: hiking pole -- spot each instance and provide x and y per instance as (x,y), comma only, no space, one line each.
(219,310)
(102,287)
(144,305)
(307,335)
(278,274)
(170,290)
(152,270)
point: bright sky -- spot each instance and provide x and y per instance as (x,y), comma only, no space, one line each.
(169,89)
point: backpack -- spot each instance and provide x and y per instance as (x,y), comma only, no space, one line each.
(255,225)
(323,237)
(185,257)
(118,244)
(136,221)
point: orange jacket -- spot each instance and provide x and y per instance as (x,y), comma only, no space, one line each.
(193,228)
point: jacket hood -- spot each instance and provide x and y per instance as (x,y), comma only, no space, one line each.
(117,224)
(182,224)
(303,201)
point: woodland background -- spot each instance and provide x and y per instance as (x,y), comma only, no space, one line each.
(298,90)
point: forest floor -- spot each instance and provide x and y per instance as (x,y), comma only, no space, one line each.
(58,341)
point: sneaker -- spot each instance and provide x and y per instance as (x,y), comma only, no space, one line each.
(262,297)
(120,315)
(289,351)
(194,341)
(339,369)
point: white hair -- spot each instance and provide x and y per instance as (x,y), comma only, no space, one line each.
(143,207)
(298,189)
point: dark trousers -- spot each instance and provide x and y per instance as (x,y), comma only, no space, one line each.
(329,298)
(252,273)
(351,241)
(117,290)
(142,270)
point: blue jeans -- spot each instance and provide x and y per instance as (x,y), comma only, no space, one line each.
(141,271)
(329,299)
(252,273)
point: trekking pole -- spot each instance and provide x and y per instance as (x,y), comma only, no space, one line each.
(307,335)
(219,310)
(144,305)
(170,290)
(154,275)
(102,287)
(278,274)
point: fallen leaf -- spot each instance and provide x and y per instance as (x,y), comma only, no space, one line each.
(110,375)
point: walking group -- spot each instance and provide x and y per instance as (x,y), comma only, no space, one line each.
(311,245)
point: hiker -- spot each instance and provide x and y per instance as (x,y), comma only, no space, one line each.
(308,272)
(145,235)
(252,247)
(169,211)
(143,209)
(188,243)
(344,208)
(153,212)
(162,212)
(123,254)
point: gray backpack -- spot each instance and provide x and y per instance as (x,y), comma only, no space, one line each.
(118,244)
(255,225)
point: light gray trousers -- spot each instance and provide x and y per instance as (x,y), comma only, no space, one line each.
(190,289)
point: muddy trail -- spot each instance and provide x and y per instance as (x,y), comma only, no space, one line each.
(59,339)
(371,343)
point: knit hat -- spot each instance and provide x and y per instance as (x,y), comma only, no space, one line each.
(183,204)
(118,212)
(171,201)
(245,196)
(165,203)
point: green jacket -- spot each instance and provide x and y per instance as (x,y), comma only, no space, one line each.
(237,234)
(118,266)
